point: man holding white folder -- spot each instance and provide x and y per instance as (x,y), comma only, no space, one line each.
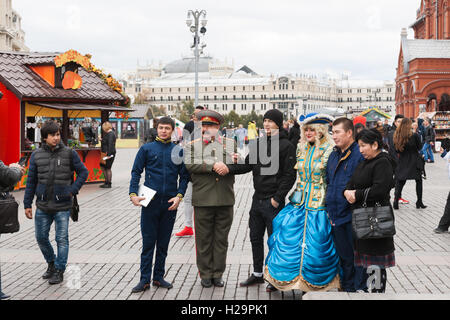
(168,182)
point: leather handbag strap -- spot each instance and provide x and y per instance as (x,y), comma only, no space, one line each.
(366,194)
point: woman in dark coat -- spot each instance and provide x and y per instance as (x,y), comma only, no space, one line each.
(9,176)
(410,164)
(109,148)
(377,173)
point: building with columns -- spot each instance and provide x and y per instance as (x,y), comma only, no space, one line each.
(12,37)
(223,89)
(423,72)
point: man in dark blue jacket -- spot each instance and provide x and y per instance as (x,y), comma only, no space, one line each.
(163,166)
(341,165)
(50,178)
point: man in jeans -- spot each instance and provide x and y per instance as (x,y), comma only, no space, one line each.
(430,136)
(50,177)
(341,165)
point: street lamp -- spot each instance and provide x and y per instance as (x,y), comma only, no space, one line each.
(304,106)
(193,22)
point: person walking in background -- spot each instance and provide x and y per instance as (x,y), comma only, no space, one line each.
(50,178)
(158,218)
(9,176)
(252,132)
(375,173)
(294,134)
(341,165)
(430,136)
(109,152)
(409,165)
(302,254)
(241,133)
(151,133)
(391,148)
(444,224)
(270,189)
(188,230)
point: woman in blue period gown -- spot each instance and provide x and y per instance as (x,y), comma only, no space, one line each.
(301,249)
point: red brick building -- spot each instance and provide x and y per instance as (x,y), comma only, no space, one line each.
(423,73)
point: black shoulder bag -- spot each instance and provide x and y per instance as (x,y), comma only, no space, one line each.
(9,214)
(75,210)
(373,222)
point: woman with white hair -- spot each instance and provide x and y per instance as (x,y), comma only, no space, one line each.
(301,249)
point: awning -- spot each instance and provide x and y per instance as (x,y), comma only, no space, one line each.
(82,106)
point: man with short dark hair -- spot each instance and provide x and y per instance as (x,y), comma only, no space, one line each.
(341,165)
(158,218)
(50,177)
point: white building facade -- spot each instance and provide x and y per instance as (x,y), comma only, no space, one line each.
(12,37)
(243,91)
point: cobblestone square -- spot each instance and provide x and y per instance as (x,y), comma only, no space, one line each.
(105,249)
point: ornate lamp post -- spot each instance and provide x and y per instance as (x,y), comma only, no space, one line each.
(193,22)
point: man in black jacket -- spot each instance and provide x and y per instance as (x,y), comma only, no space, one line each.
(272,160)
(50,178)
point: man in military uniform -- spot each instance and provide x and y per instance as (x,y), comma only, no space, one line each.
(212,198)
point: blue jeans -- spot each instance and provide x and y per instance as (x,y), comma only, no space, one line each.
(156,228)
(353,278)
(427,151)
(43,222)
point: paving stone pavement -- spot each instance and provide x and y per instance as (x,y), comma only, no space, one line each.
(105,249)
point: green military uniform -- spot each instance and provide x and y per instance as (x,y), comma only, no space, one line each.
(213,200)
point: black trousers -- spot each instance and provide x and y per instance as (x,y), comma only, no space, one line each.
(262,214)
(444,224)
(399,184)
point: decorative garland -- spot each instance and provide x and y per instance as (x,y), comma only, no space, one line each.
(85,62)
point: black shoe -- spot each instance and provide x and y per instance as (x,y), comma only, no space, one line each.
(420,205)
(252,280)
(439,231)
(50,270)
(162,284)
(206,283)
(57,277)
(141,287)
(3,296)
(106,186)
(271,288)
(218,282)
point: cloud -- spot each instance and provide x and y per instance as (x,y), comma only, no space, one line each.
(284,36)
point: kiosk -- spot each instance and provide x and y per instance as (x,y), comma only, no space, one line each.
(65,87)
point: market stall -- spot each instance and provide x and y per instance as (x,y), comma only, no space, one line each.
(441,121)
(373,115)
(64,87)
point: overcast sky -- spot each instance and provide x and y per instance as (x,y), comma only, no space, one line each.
(361,37)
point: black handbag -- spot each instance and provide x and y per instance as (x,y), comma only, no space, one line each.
(9,214)
(75,209)
(375,222)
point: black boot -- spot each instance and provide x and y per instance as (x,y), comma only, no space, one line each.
(50,270)
(395,204)
(57,277)
(420,205)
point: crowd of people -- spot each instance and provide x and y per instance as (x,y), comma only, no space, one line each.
(333,166)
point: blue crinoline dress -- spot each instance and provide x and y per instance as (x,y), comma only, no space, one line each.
(301,249)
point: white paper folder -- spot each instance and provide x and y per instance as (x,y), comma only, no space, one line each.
(147,193)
